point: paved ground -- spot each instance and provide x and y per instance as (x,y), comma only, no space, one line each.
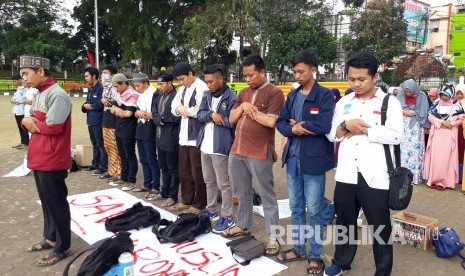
(21,218)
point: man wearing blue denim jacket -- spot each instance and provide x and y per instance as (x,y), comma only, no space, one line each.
(305,119)
(214,141)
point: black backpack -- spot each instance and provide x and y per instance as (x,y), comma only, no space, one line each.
(185,227)
(105,255)
(138,216)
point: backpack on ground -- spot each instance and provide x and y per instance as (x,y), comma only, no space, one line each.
(186,227)
(248,248)
(105,255)
(138,216)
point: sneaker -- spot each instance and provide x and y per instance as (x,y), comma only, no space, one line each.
(223,225)
(98,172)
(129,186)
(113,179)
(90,168)
(334,270)
(105,175)
(117,183)
(212,215)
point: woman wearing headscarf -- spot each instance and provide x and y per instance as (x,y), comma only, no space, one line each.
(441,157)
(415,109)
(433,95)
(460,97)
(460,88)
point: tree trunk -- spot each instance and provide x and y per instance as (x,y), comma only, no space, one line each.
(281,73)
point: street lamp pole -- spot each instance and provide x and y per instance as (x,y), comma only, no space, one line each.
(97,61)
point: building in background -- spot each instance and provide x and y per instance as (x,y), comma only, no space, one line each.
(457,36)
(439,28)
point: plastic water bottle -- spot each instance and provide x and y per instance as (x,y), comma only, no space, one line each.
(126,264)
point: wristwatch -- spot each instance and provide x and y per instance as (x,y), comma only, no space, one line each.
(343,126)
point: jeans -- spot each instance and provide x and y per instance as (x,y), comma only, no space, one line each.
(306,190)
(148,158)
(100,159)
(127,152)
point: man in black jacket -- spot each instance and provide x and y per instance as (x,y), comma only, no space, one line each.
(167,134)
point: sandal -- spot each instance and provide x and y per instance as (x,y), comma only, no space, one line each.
(271,244)
(42,245)
(152,195)
(439,187)
(230,234)
(282,256)
(52,258)
(318,270)
(168,203)
(140,189)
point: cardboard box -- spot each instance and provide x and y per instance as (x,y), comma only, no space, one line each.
(84,154)
(413,229)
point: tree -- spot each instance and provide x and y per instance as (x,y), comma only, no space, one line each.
(294,37)
(380,29)
(110,47)
(353,3)
(34,33)
(144,28)
(256,22)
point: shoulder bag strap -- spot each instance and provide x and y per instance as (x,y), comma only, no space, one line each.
(387,151)
(90,248)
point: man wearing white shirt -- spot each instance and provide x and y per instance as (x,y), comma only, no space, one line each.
(146,137)
(186,104)
(362,180)
(215,141)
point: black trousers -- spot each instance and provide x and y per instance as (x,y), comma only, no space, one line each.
(100,158)
(52,191)
(168,162)
(127,153)
(22,132)
(348,198)
(193,187)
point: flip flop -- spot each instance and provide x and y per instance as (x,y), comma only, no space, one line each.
(244,232)
(168,203)
(40,246)
(284,259)
(320,267)
(272,244)
(52,258)
(140,189)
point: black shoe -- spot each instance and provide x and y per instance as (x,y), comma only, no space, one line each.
(98,172)
(90,168)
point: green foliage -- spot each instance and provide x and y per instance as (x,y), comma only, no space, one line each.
(380,29)
(459,71)
(295,37)
(144,28)
(353,3)
(34,33)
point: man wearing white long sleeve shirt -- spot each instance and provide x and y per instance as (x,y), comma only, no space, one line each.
(186,104)
(362,180)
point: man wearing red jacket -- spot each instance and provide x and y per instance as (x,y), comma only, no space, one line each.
(49,156)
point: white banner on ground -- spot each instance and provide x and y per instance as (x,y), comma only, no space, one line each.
(206,255)
(22,170)
(283,206)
